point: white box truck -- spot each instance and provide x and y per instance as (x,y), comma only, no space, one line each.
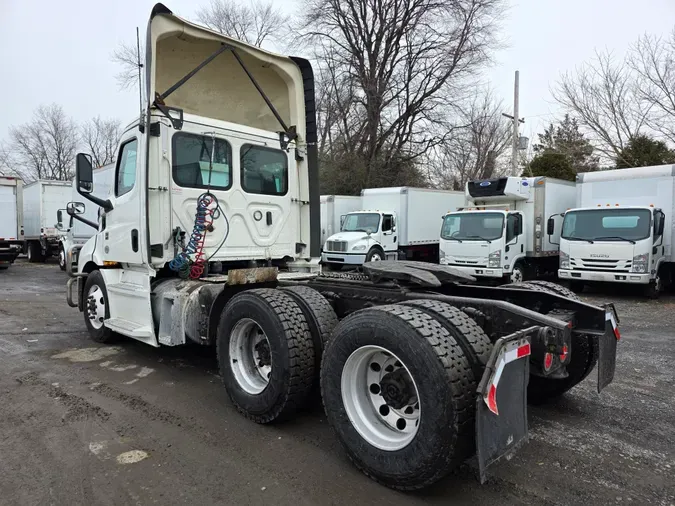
(334,208)
(399,223)
(41,200)
(621,229)
(11,224)
(74,232)
(502,237)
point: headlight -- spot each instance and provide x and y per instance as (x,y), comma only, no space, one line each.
(495,259)
(564,260)
(441,254)
(359,247)
(640,263)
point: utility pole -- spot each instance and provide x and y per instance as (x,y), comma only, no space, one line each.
(516,121)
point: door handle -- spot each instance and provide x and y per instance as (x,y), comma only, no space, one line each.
(134,240)
(269,217)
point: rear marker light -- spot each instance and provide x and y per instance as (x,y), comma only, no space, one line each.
(511,352)
(563,355)
(548,361)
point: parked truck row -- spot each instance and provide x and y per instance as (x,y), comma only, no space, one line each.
(419,367)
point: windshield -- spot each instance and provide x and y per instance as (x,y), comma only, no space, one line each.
(361,222)
(473,226)
(607,225)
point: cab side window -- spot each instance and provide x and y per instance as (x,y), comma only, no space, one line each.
(125,178)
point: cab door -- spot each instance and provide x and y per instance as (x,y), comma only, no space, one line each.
(123,237)
(389,234)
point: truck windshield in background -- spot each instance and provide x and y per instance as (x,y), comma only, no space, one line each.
(473,226)
(607,224)
(361,222)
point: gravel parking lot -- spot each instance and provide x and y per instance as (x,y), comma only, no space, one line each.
(87,424)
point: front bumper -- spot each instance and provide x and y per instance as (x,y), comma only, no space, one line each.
(479,272)
(607,277)
(343,258)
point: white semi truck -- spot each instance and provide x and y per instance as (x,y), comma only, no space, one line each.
(334,208)
(41,201)
(417,369)
(77,231)
(399,223)
(11,220)
(502,235)
(621,229)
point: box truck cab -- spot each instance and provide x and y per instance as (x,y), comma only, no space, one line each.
(334,209)
(398,223)
(621,230)
(503,236)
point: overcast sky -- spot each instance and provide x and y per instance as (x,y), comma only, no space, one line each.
(59,51)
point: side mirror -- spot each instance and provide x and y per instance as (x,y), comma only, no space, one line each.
(73,208)
(661,224)
(518,225)
(84,173)
(550,226)
(59,219)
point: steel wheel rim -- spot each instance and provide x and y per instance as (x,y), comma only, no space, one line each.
(96,306)
(377,420)
(375,257)
(250,356)
(516,276)
(62,258)
(29,254)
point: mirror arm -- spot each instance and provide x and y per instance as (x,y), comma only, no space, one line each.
(83,220)
(105,204)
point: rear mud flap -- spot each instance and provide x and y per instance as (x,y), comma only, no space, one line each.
(607,344)
(501,407)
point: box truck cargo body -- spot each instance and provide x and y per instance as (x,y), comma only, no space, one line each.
(399,223)
(502,235)
(41,200)
(621,229)
(334,208)
(74,233)
(11,224)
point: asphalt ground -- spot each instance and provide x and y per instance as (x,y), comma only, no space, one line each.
(82,423)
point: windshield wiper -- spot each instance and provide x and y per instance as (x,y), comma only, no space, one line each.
(577,239)
(452,239)
(615,237)
(478,237)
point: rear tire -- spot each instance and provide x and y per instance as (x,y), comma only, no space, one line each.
(96,308)
(426,379)
(321,319)
(34,253)
(270,379)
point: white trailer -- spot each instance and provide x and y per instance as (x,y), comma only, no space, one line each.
(502,236)
(334,208)
(400,223)
(75,232)
(41,201)
(621,229)
(11,224)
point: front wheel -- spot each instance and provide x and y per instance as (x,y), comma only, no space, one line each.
(653,289)
(375,255)
(96,309)
(400,395)
(62,259)
(518,274)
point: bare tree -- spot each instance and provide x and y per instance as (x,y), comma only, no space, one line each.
(254,23)
(99,137)
(5,162)
(475,149)
(400,65)
(653,61)
(603,95)
(126,56)
(45,147)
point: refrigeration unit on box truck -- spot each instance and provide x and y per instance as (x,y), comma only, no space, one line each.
(621,229)
(399,223)
(333,211)
(502,236)
(11,223)
(41,201)
(75,232)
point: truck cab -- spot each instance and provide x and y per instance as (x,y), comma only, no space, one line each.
(365,236)
(502,236)
(613,244)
